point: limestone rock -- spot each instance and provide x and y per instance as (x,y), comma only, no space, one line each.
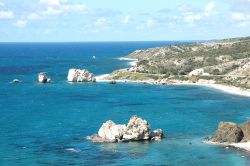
(137,129)
(78,75)
(246,131)
(111,131)
(228,132)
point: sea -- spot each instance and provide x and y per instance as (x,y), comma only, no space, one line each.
(47,124)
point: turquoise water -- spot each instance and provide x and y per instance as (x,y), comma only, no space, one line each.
(47,124)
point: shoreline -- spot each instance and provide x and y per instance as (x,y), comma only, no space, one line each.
(205,83)
(132,62)
(224,88)
(242,145)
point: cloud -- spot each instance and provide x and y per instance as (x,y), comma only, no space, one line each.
(241,19)
(191,17)
(66,8)
(2,4)
(100,22)
(53,2)
(126,19)
(6,14)
(21,23)
(209,8)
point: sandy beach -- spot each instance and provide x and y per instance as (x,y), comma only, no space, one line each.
(227,89)
(243,145)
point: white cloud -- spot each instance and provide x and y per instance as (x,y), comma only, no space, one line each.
(242,20)
(53,2)
(191,17)
(52,11)
(6,15)
(66,8)
(21,23)
(126,19)
(100,22)
(240,17)
(1,4)
(210,7)
(150,23)
(33,16)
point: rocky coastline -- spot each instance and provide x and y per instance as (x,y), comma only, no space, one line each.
(231,134)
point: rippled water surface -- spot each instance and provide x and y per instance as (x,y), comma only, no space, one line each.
(47,124)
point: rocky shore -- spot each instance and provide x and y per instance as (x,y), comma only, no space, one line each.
(232,135)
(137,129)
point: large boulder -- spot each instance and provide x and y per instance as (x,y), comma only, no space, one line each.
(228,132)
(111,131)
(78,75)
(137,129)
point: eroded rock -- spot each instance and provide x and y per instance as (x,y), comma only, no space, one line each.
(228,132)
(137,129)
(78,75)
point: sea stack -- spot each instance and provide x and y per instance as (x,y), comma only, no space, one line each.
(42,78)
(137,129)
(78,75)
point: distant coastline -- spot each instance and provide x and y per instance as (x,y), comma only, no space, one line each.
(140,62)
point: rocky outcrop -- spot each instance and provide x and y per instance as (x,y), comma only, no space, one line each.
(42,78)
(228,132)
(246,131)
(78,75)
(137,129)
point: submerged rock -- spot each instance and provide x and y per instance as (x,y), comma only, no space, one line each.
(78,75)
(228,132)
(112,82)
(42,78)
(137,129)
(15,81)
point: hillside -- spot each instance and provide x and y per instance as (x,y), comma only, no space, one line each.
(224,61)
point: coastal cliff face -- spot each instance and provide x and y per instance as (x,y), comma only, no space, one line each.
(223,61)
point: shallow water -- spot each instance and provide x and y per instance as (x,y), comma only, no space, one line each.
(47,124)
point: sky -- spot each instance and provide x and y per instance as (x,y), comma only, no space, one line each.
(122,20)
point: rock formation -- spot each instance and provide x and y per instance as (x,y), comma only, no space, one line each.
(228,132)
(42,78)
(137,129)
(15,81)
(78,75)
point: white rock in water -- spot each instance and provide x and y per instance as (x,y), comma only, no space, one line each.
(78,75)
(136,130)
(42,78)
(111,131)
(15,81)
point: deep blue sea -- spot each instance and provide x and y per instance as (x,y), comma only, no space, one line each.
(47,124)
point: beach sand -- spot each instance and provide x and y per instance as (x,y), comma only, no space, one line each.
(242,145)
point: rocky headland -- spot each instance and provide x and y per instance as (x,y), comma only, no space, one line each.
(222,64)
(137,129)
